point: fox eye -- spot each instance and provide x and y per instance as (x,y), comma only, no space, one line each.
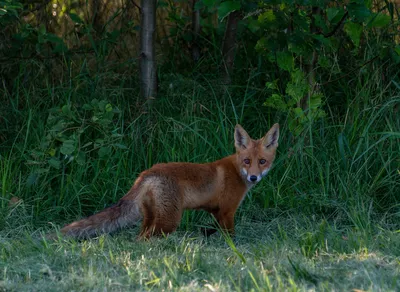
(246,161)
(262,161)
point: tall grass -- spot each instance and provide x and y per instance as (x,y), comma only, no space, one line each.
(346,168)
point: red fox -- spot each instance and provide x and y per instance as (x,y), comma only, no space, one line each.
(161,193)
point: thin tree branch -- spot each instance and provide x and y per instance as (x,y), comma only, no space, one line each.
(338,25)
(137,6)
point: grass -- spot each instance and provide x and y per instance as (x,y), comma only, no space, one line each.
(286,251)
(326,217)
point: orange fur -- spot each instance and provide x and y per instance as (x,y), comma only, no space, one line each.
(161,193)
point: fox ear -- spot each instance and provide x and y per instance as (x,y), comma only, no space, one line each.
(242,139)
(270,139)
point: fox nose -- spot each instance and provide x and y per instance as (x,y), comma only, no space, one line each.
(253,178)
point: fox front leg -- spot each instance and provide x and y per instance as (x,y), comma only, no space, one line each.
(224,221)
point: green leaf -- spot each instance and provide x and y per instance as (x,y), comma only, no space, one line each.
(395,57)
(42,29)
(323,40)
(3,12)
(379,20)
(225,8)
(32,179)
(324,62)
(75,18)
(320,22)
(68,147)
(354,31)
(276,101)
(102,104)
(87,144)
(52,152)
(53,38)
(253,25)
(41,39)
(267,16)
(285,60)
(299,113)
(296,92)
(81,158)
(98,142)
(319,113)
(104,152)
(262,44)
(334,14)
(95,102)
(198,5)
(272,85)
(397,50)
(87,107)
(121,146)
(298,77)
(60,126)
(315,101)
(60,48)
(11,5)
(295,127)
(109,108)
(41,170)
(358,10)
(298,87)
(66,109)
(53,162)
(209,3)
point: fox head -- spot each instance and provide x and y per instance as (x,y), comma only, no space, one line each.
(255,157)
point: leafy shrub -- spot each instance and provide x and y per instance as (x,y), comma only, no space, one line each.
(76,135)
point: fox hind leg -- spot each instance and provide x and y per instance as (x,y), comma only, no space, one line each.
(149,214)
(159,217)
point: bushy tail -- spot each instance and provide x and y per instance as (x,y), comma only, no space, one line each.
(124,213)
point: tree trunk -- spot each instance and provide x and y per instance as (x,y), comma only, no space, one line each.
(229,46)
(195,31)
(148,69)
